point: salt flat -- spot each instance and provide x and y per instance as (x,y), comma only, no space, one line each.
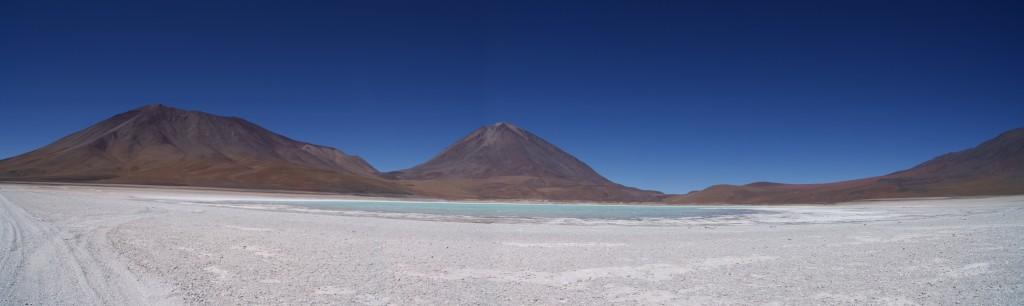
(115,245)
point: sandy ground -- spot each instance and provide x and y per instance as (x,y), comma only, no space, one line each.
(135,246)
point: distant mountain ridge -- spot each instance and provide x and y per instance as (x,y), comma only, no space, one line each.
(162,145)
(995,167)
(157,144)
(505,161)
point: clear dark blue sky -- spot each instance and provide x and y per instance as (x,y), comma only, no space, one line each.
(667,95)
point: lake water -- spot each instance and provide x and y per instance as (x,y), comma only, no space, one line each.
(522,211)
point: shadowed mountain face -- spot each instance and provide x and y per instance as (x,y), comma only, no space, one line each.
(162,145)
(505,161)
(995,167)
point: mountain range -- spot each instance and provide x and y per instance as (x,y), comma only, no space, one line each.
(162,145)
(995,167)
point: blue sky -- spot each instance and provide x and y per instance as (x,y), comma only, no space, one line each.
(666,95)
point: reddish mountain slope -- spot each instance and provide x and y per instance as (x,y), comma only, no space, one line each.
(505,161)
(995,167)
(162,145)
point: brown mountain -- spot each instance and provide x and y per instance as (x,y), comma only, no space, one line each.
(995,167)
(162,145)
(507,162)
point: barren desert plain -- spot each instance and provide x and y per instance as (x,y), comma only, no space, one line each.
(68,244)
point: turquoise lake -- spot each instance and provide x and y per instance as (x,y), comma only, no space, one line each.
(515,210)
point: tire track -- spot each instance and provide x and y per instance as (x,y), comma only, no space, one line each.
(11,257)
(65,262)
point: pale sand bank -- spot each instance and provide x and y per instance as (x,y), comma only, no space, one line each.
(100,245)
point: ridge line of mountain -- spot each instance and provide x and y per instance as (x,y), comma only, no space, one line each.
(162,145)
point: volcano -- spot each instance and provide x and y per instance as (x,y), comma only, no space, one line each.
(162,145)
(504,161)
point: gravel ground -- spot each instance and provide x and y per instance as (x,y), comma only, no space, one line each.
(134,246)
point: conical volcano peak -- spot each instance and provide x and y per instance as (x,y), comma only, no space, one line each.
(499,131)
(502,160)
(158,107)
(154,106)
(503,149)
(160,111)
(505,125)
